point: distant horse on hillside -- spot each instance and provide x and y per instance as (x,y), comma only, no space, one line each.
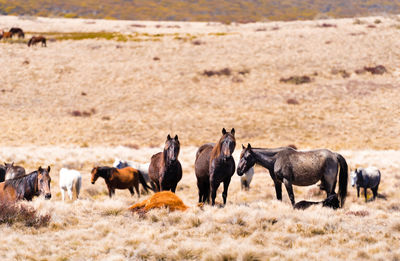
(165,170)
(70,180)
(26,187)
(142,168)
(214,164)
(5,35)
(17,31)
(126,178)
(12,171)
(37,39)
(366,178)
(301,168)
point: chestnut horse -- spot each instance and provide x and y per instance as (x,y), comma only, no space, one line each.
(26,187)
(12,171)
(165,170)
(126,178)
(37,39)
(214,164)
(5,35)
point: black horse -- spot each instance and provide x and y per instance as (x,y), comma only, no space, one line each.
(2,173)
(17,31)
(301,168)
(214,164)
(165,170)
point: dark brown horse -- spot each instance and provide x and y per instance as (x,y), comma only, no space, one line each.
(126,178)
(165,170)
(2,173)
(37,39)
(26,187)
(301,168)
(13,172)
(17,31)
(214,164)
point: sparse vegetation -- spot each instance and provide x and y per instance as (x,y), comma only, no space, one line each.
(296,79)
(11,213)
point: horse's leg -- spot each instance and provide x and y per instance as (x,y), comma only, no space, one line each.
(375,191)
(173,188)
(278,189)
(289,190)
(137,188)
(225,192)
(200,187)
(62,194)
(358,191)
(110,192)
(131,191)
(365,193)
(70,193)
(214,188)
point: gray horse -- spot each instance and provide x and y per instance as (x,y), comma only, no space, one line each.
(366,178)
(13,172)
(301,168)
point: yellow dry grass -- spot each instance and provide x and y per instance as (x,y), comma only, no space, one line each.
(138,92)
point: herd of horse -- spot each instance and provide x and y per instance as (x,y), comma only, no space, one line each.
(16,31)
(214,164)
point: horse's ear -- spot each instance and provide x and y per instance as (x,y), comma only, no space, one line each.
(176,137)
(48,168)
(233,131)
(168,137)
(243,147)
(248,146)
(40,168)
(223,131)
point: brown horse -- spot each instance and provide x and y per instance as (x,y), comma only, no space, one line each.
(5,35)
(165,170)
(126,178)
(12,171)
(26,187)
(214,164)
(17,31)
(37,39)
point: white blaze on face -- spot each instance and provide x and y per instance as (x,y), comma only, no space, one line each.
(353,178)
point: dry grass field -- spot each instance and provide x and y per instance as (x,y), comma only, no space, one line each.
(79,103)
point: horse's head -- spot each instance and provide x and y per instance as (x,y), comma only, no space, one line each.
(44,182)
(247,160)
(9,165)
(94,175)
(227,143)
(171,149)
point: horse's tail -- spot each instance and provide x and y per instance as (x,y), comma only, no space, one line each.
(343,176)
(143,181)
(78,186)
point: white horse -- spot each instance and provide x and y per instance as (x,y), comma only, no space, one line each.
(366,178)
(70,179)
(142,167)
(245,180)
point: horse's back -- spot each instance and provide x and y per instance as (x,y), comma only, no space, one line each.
(202,162)
(68,176)
(372,175)
(154,167)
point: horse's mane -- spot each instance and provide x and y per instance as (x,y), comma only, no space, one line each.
(16,182)
(216,151)
(105,172)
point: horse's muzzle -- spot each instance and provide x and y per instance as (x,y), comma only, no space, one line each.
(92,182)
(47,196)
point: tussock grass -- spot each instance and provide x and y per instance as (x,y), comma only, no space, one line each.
(11,213)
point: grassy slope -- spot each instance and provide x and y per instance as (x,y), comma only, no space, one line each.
(198,10)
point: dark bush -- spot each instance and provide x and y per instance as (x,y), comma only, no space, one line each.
(225,71)
(380,69)
(327,25)
(11,213)
(292,101)
(296,79)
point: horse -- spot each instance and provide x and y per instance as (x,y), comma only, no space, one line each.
(2,173)
(26,187)
(13,172)
(165,170)
(366,178)
(331,202)
(214,164)
(70,179)
(142,168)
(5,35)
(245,180)
(17,31)
(301,168)
(37,39)
(126,178)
